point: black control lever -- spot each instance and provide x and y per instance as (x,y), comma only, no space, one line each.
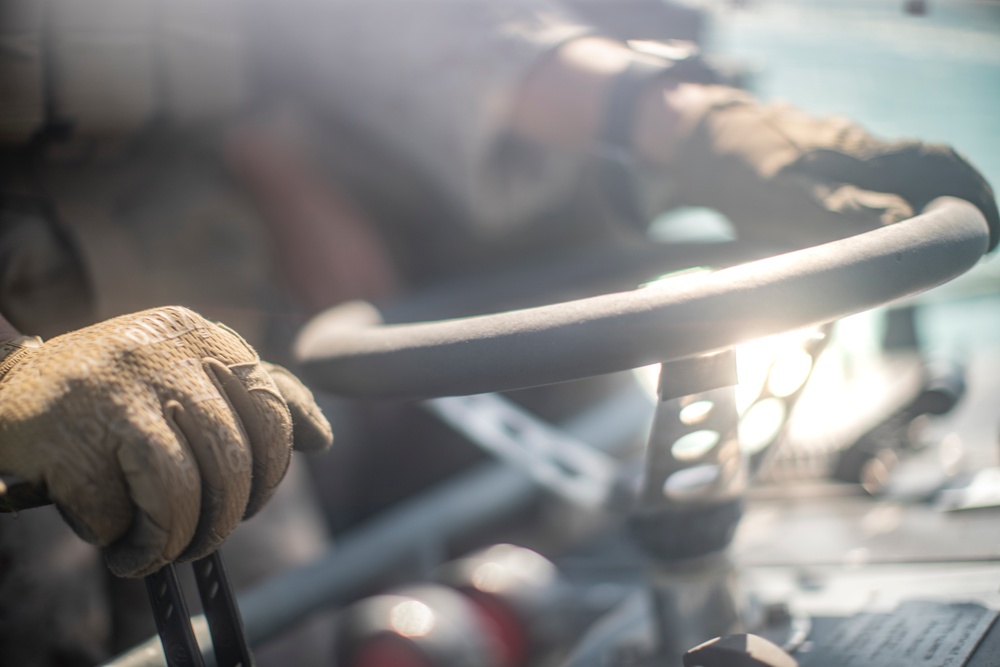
(173,621)
(222,613)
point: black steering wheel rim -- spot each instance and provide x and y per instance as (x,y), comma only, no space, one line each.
(693,315)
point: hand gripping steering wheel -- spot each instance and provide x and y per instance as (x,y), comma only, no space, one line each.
(354,355)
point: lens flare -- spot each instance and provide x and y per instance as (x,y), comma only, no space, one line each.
(412,618)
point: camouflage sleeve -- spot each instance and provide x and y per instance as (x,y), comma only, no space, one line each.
(100,70)
(435,82)
(43,289)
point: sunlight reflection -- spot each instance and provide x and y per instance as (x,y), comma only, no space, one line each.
(412,618)
(694,445)
(761,424)
(696,412)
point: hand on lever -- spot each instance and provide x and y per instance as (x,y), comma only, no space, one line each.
(154,433)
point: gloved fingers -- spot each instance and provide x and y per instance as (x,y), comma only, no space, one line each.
(140,429)
(218,441)
(792,210)
(923,172)
(265,416)
(808,212)
(799,210)
(88,487)
(101,509)
(862,206)
(311,429)
(742,157)
(161,473)
(915,171)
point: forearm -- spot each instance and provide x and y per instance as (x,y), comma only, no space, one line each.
(325,248)
(562,102)
(779,174)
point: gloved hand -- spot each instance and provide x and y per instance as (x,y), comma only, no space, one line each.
(154,433)
(780,174)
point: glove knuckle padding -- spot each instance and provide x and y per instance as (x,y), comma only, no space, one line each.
(154,433)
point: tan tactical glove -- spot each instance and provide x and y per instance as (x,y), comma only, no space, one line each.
(782,175)
(155,433)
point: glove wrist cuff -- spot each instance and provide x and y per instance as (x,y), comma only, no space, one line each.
(614,154)
(13,350)
(619,160)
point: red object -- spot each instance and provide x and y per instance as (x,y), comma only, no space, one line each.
(504,626)
(384,652)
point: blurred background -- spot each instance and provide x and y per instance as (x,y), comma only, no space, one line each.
(917,490)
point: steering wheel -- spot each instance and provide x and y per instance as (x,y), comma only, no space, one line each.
(349,352)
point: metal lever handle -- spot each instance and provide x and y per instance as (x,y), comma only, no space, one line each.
(173,621)
(223,615)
